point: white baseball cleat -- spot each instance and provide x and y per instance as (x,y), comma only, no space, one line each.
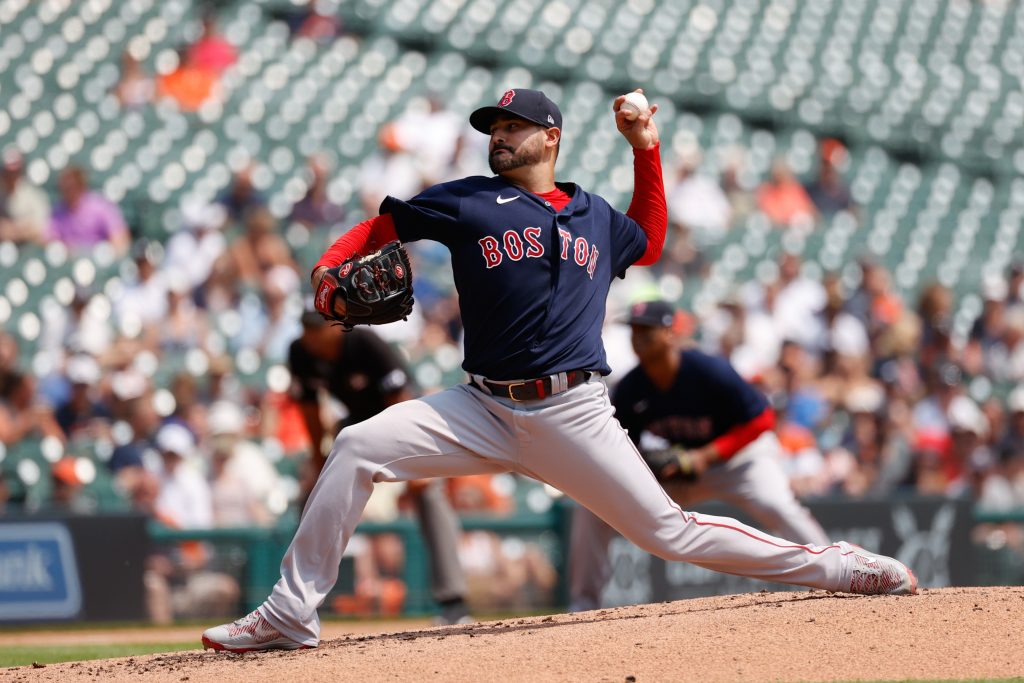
(880,575)
(249,634)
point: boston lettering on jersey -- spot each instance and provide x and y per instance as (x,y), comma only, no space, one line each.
(532,280)
(515,247)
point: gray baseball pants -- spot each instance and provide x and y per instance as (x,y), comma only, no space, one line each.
(571,441)
(440,527)
(753,481)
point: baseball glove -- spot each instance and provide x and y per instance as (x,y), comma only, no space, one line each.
(672,463)
(375,289)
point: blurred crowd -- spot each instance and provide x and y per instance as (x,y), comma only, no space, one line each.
(165,388)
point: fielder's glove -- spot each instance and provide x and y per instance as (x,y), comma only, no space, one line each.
(376,288)
(673,463)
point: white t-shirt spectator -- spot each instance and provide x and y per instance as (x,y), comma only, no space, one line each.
(699,203)
(185,498)
(796,309)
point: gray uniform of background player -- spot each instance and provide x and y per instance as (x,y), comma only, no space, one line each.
(752,480)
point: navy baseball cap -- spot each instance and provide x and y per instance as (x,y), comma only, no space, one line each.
(652,314)
(532,105)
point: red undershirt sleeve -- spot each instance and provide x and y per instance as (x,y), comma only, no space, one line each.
(362,239)
(731,442)
(648,207)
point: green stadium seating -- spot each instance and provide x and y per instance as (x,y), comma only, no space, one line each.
(928,101)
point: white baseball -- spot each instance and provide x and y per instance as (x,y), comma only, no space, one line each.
(634,103)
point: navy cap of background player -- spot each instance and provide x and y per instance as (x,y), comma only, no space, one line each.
(652,313)
(532,105)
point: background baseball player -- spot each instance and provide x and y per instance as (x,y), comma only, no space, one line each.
(705,433)
(532,261)
(359,369)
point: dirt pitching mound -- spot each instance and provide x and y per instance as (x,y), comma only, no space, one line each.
(939,634)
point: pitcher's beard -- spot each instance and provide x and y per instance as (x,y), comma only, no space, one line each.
(513,160)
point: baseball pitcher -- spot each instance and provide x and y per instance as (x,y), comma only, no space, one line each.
(532,260)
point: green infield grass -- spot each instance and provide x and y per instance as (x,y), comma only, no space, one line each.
(24,655)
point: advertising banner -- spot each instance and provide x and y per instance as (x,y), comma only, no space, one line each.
(931,535)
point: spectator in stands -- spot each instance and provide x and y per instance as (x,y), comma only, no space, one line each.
(430,133)
(741,198)
(839,332)
(1011,445)
(242,197)
(883,459)
(84,326)
(24,208)
(8,356)
(69,495)
(84,218)
(798,302)
(143,421)
(83,412)
(189,409)
(988,328)
(1004,361)
(500,573)
(744,333)
(943,383)
(234,501)
(260,248)
(896,358)
(184,325)
(317,20)
(244,465)
(935,308)
(136,88)
(183,582)
(968,428)
(184,501)
(828,191)
(797,389)
(281,320)
(21,414)
(192,251)
(143,301)
(783,199)
(189,84)
(1015,284)
(698,203)
(315,208)
(874,303)
(212,52)
(391,170)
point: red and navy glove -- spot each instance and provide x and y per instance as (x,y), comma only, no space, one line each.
(370,290)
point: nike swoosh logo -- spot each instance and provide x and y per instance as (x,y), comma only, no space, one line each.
(506,200)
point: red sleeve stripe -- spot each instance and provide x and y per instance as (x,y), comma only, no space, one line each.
(735,439)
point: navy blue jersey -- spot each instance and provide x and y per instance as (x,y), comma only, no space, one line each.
(707,399)
(532,281)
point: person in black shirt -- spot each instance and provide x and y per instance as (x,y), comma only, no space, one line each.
(359,369)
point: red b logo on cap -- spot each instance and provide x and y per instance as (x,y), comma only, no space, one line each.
(506,99)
